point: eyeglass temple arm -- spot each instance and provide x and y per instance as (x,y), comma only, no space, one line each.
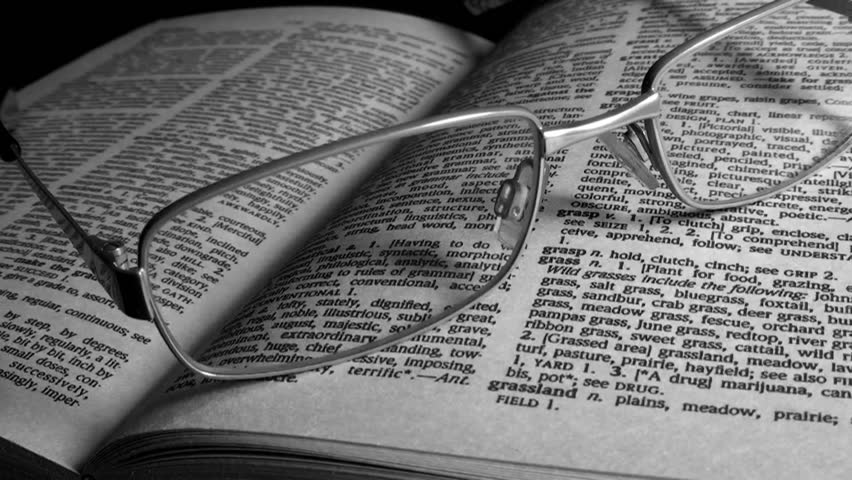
(106,259)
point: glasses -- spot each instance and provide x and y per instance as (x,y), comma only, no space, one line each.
(437,230)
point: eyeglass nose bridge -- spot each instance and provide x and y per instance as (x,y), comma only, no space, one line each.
(646,106)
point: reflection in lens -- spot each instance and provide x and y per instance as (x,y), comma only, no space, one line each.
(760,108)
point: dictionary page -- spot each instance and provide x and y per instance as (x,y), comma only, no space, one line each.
(636,337)
(165,110)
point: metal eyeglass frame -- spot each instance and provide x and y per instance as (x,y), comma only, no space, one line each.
(130,288)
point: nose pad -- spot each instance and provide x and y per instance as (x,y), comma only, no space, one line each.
(630,156)
(513,203)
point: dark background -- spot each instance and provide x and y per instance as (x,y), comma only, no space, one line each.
(38,37)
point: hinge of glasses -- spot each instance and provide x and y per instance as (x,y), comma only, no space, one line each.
(113,251)
(110,263)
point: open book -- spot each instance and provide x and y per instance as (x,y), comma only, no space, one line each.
(708,345)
